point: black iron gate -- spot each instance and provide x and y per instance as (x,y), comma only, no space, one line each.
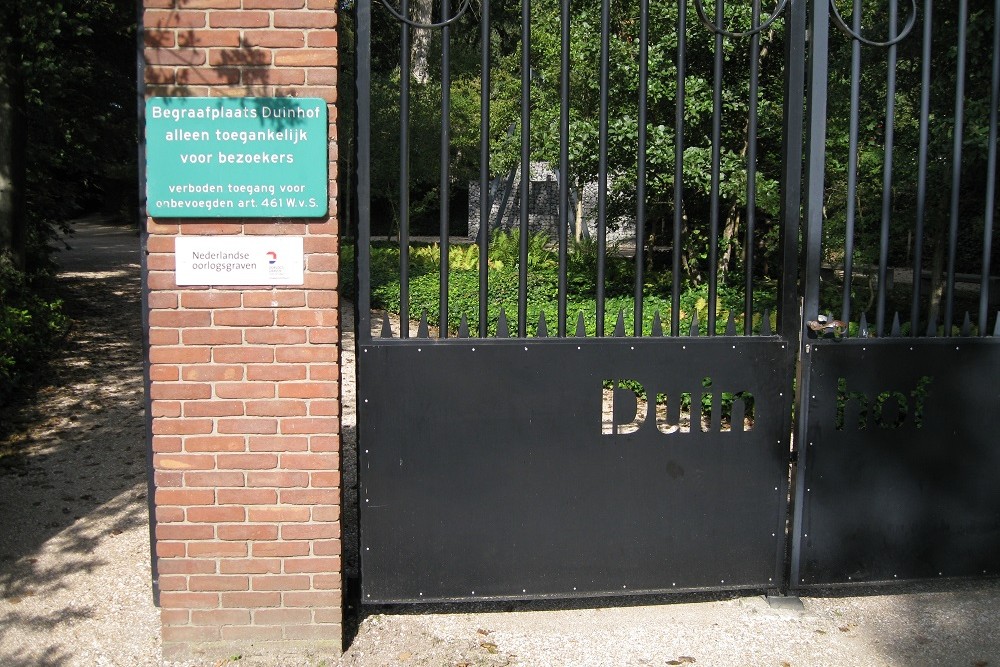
(642,443)
(898,463)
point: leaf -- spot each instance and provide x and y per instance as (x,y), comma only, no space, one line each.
(489,646)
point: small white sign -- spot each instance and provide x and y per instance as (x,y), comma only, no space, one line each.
(239,260)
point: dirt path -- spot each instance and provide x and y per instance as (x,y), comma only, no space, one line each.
(74,552)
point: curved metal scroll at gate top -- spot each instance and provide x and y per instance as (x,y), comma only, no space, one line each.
(504,459)
(855,34)
(716,26)
(429,26)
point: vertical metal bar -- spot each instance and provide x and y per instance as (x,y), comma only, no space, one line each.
(484,172)
(640,213)
(404,175)
(522,273)
(956,166)
(789,324)
(445,161)
(890,119)
(925,105)
(675,251)
(363,60)
(790,216)
(788,320)
(991,180)
(815,181)
(602,163)
(852,166)
(715,203)
(751,172)
(563,161)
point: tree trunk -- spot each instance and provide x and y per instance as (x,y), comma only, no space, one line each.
(689,263)
(421,46)
(6,181)
(732,227)
(13,149)
(729,233)
(937,282)
(578,217)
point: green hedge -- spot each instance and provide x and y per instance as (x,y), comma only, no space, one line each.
(543,288)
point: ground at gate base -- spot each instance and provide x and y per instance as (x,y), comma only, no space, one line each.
(74,550)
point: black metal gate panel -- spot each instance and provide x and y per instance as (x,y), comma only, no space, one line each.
(898,458)
(902,462)
(775,439)
(536,482)
(505,459)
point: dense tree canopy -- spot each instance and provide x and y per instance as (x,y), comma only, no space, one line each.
(67,104)
(67,146)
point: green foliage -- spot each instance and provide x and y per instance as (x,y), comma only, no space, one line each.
(623,130)
(870,201)
(505,118)
(584,102)
(69,66)
(424,139)
(30,324)
(582,265)
(543,288)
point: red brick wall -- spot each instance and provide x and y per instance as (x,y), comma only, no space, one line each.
(244,382)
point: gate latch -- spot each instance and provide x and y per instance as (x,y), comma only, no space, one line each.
(825,324)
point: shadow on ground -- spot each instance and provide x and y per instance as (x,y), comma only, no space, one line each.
(72,455)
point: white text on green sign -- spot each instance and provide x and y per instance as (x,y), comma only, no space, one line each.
(254,157)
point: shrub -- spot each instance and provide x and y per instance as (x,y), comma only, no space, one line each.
(29,324)
(543,288)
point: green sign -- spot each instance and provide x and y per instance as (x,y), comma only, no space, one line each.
(250,157)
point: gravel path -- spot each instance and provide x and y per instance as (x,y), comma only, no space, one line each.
(74,549)
(74,552)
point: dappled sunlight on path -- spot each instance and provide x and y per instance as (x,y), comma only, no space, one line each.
(74,558)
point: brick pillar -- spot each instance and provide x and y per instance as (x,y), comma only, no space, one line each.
(244,382)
